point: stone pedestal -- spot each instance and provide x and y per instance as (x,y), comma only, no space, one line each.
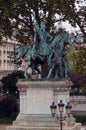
(35,100)
(37,96)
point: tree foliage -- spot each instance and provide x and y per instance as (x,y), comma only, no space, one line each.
(9,82)
(79,83)
(15,16)
(9,107)
(78,60)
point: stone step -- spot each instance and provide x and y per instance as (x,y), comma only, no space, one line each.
(75,127)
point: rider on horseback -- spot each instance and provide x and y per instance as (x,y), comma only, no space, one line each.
(41,39)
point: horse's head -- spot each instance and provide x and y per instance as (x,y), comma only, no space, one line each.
(22,50)
(67,38)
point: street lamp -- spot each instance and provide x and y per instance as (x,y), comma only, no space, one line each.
(53,109)
(68,108)
(61,117)
(61,106)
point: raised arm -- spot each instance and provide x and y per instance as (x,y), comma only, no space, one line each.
(36,25)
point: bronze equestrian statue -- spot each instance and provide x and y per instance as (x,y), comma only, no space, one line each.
(46,48)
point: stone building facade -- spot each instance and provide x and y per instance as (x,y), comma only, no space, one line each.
(6,58)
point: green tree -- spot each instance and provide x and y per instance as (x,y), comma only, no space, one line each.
(9,106)
(78,60)
(15,16)
(9,82)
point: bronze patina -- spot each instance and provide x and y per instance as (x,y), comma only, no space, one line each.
(46,48)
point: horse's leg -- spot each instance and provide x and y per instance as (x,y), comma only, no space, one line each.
(56,71)
(66,70)
(50,72)
(60,72)
(26,69)
(38,70)
(39,75)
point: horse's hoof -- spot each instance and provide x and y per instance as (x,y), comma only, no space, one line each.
(46,78)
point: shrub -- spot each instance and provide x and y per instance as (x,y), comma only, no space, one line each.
(9,107)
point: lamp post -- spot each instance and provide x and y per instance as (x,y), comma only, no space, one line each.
(68,109)
(61,117)
(53,109)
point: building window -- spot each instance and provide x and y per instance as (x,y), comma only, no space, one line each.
(0,61)
(0,52)
(4,51)
(4,61)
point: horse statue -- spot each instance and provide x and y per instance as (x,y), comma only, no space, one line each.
(56,56)
(47,48)
(56,49)
(33,60)
(61,45)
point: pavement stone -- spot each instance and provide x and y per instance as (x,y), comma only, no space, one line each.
(3,127)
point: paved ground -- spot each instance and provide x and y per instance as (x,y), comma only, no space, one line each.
(3,127)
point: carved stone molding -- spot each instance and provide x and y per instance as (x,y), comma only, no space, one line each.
(23,91)
(60,90)
(54,84)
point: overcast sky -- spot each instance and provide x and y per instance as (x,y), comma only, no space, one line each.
(66,25)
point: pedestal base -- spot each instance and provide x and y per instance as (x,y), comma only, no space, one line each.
(77,126)
(41,122)
(35,100)
(36,121)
